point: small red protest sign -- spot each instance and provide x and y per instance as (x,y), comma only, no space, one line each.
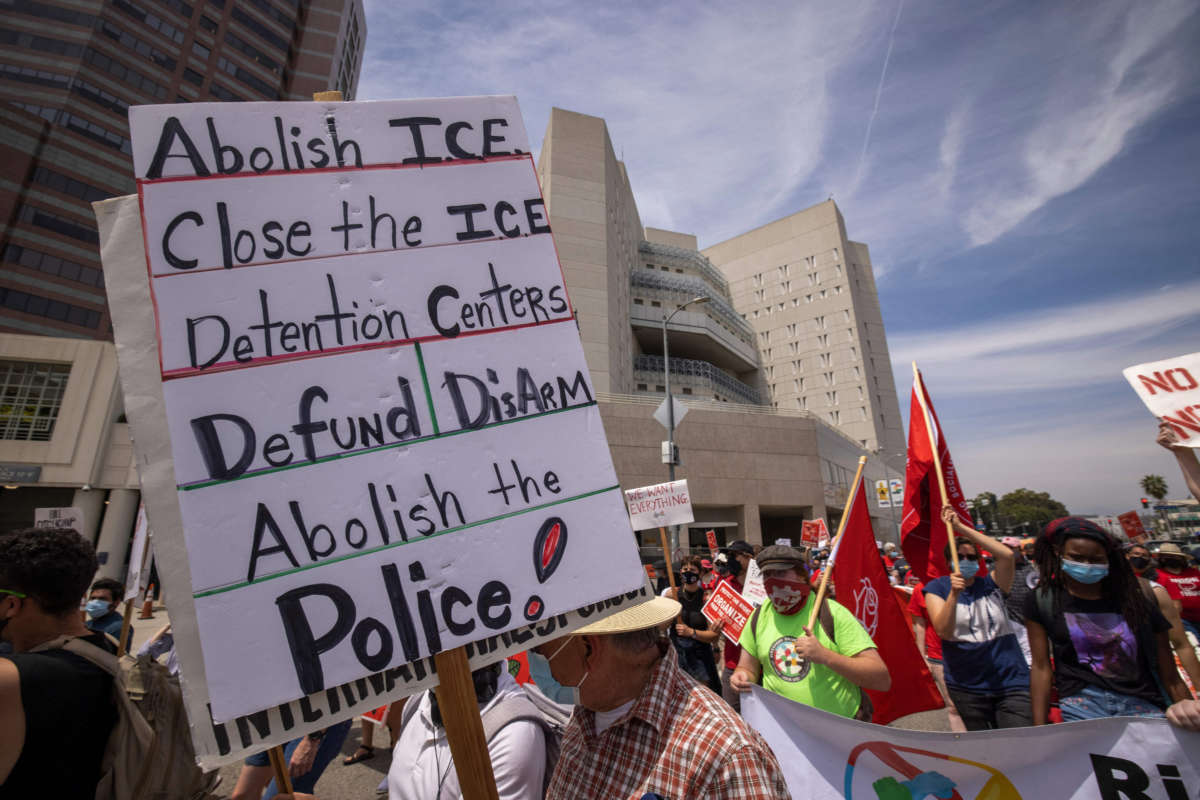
(728,604)
(1131,523)
(712,541)
(813,532)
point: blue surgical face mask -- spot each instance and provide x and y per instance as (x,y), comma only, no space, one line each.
(96,608)
(539,670)
(969,569)
(1085,573)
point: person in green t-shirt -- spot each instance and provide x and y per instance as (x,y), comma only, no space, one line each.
(822,671)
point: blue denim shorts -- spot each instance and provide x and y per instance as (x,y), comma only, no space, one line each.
(1096,703)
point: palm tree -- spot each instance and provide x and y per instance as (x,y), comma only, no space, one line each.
(1155,486)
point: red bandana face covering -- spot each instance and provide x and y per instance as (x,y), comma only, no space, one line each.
(786,596)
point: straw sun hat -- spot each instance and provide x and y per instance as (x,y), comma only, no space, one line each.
(650,614)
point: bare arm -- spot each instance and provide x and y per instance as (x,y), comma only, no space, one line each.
(1183,711)
(12,718)
(1041,675)
(1189,465)
(919,632)
(747,672)
(942,611)
(1179,641)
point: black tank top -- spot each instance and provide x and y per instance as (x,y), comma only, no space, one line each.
(692,602)
(69,715)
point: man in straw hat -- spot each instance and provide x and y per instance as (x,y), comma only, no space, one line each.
(642,727)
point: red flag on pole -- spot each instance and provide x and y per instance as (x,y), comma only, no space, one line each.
(922,533)
(863,588)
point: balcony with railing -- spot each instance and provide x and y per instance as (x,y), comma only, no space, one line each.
(712,331)
(670,256)
(694,374)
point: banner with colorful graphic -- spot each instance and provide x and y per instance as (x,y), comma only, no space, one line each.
(827,757)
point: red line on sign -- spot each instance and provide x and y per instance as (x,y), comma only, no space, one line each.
(199,270)
(457,162)
(226,366)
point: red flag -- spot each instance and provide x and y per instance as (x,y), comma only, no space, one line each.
(863,588)
(922,532)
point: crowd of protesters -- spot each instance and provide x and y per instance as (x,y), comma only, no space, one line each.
(1068,625)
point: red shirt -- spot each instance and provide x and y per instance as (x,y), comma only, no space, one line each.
(733,652)
(1187,585)
(917,607)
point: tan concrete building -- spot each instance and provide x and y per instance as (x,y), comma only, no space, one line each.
(69,70)
(756,459)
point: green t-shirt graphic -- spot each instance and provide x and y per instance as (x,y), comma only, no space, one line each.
(772,639)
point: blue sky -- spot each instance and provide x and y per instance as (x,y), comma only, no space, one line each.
(1027,176)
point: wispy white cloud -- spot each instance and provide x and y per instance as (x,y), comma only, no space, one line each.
(1088,116)
(1068,346)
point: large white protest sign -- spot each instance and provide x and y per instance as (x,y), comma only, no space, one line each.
(827,757)
(366,429)
(1171,390)
(754,590)
(659,505)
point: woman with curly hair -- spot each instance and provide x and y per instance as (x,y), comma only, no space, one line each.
(1112,657)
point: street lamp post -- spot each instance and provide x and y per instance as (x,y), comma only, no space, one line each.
(671,411)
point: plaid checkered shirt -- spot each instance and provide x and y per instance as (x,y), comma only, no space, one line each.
(678,741)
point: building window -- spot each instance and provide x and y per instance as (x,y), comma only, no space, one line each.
(30,398)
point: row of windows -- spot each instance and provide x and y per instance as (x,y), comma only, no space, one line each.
(53,222)
(181,8)
(151,20)
(144,49)
(46,11)
(37,76)
(29,41)
(100,97)
(263,32)
(250,50)
(67,185)
(48,114)
(208,24)
(51,309)
(283,18)
(255,83)
(97,133)
(124,73)
(221,93)
(53,265)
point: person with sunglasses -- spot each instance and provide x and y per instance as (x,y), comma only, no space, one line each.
(986,673)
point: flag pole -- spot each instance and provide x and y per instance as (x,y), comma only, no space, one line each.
(919,385)
(837,543)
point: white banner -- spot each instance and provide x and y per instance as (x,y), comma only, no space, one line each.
(1171,390)
(659,505)
(365,426)
(827,757)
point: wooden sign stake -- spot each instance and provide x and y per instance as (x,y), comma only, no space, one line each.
(662,535)
(937,463)
(837,540)
(283,778)
(464,726)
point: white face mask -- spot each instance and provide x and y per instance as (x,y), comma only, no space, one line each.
(586,672)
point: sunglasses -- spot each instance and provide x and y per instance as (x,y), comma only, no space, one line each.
(966,557)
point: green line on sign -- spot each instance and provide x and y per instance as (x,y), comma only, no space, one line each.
(335,456)
(425,381)
(360,553)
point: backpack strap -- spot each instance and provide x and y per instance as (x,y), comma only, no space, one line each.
(826,618)
(510,709)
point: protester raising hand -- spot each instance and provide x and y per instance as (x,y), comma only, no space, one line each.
(1189,465)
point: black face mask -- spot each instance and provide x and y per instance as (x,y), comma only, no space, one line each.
(1139,562)
(691,577)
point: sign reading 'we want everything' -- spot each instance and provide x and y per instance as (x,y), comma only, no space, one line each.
(377,437)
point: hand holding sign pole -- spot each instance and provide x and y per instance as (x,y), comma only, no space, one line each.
(837,542)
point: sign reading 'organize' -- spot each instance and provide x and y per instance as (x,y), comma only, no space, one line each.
(384,435)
